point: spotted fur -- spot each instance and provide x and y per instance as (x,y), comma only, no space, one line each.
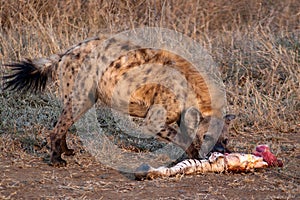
(128,78)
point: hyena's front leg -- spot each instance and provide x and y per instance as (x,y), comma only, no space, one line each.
(189,123)
(156,123)
(181,139)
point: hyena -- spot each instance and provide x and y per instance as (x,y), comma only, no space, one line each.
(83,82)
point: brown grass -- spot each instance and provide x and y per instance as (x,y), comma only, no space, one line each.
(256,45)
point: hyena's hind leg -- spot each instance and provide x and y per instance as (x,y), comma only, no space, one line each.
(58,136)
(79,102)
(156,123)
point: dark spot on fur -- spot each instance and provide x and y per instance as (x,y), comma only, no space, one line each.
(125,47)
(117,65)
(125,75)
(167,62)
(104,59)
(110,42)
(76,56)
(89,68)
(113,40)
(142,51)
(182,83)
(130,79)
(169,134)
(68,84)
(107,46)
(82,85)
(148,71)
(145,79)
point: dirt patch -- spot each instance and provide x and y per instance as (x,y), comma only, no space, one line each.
(29,176)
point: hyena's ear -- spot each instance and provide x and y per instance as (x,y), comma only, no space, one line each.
(228,118)
(191,118)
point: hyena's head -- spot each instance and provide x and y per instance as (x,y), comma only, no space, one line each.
(213,134)
(210,134)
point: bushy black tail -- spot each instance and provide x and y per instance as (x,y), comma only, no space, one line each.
(28,75)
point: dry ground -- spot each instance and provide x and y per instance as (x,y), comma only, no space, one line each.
(29,176)
(255,43)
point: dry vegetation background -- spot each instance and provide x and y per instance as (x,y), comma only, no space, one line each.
(255,43)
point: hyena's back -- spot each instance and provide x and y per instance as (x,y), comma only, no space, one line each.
(131,79)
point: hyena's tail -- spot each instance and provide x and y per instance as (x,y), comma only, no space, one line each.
(30,75)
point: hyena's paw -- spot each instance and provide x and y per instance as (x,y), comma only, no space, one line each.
(65,149)
(57,161)
(69,152)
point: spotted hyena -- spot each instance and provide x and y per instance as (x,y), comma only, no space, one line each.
(133,80)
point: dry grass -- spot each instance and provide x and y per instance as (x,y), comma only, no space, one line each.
(255,43)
